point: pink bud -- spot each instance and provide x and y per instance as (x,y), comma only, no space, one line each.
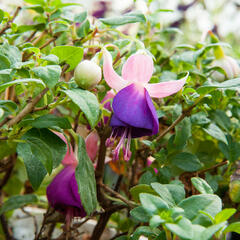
(150,160)
(69,158)
(92,145)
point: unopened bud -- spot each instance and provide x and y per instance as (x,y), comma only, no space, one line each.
(229,65)
(87,74)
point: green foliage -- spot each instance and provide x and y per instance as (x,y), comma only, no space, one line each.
(49,74)
(18,201)
(177,181)
(87,102)
(131,17)
(68,54)
(41,151)
(85,179)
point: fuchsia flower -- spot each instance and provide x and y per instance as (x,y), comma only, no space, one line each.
(62,193)
(134,114)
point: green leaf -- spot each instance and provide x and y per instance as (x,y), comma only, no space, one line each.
(51,58)
(37,8)
(143,230)
(200,118)
(11,52)
(183,132)
(182,229)
(155,221)
(86,178)
(5,75)
(80,17)
(71,55)
(140,188)
(233,227)
(224,215)
(163,192)
(23,80)
(4,62)
(177,192)
(50,74)
(40,2)
(35,169)
(18,201)
(186,161)
(231,151)
(201,185)
(131,17)
(210,231)
(221,118)
(140,214)
(214,131)
(41,150)
(208,203)
(232,83)
(152,204)
(83,30)
(87,102)
(50,120)
(197,231)
(1,15)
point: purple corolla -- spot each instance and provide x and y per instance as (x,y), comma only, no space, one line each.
(62,192)
(134,114)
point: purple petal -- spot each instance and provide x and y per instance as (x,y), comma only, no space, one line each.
(62,193)
(133,107)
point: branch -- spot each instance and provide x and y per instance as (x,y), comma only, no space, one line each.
(184,114)
(99,228)
(213,167)
(6,229)
(5,121)
(104,134)
(9,23)
(117,195)
(28,108)
(27,56)
(31,36)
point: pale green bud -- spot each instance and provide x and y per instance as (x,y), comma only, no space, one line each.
(87,74)
(229,65)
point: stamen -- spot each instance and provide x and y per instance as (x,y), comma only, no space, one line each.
(116,151)
(123,144)
(127,152)
(110,141)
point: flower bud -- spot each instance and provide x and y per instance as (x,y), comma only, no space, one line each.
(229,65)
(87,74)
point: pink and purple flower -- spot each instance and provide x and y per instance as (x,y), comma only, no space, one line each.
(134,114)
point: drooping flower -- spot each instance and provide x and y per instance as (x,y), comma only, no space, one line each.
(134,114)
(62,192)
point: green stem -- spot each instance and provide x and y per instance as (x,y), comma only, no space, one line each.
(168,233)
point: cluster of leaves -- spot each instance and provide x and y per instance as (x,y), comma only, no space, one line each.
(199,126)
